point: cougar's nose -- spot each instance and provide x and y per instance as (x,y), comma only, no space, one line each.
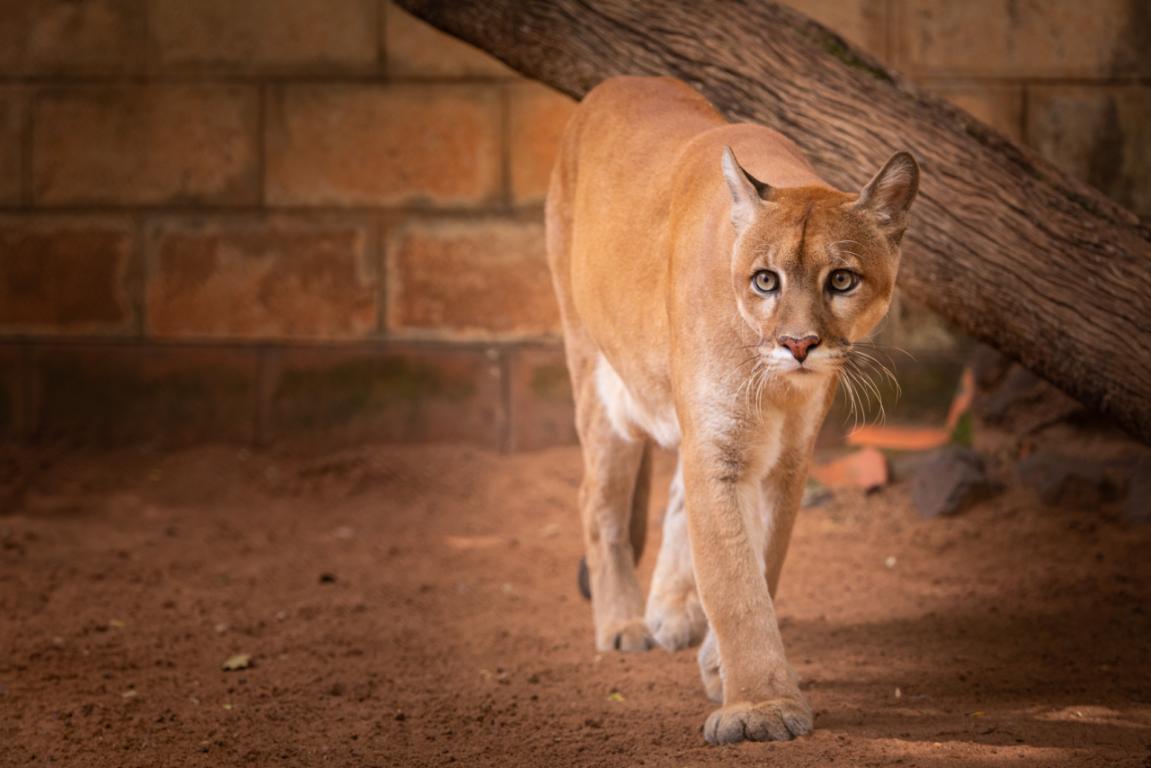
(799,347)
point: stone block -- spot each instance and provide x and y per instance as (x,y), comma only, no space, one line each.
(385,394)
(414,49)
(543,414)
(265,36)
(1098,134)
(12,122)
(536,122)
(268,277)
(140,394)
(1024,38)
(383,145)
(66,275)
(146,145)
(67,37)
(462,279)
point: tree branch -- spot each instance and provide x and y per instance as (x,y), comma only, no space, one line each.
(1008,247)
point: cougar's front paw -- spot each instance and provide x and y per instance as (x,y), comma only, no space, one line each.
(676,618)
(779,719)
(630,635)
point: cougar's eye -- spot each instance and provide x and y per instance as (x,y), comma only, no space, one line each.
(765,282)
(842,281)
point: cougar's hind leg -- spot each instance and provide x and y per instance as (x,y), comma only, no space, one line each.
(607,501)
(583,581)
(638,524)
(641,495)
(609,491)
(674,614)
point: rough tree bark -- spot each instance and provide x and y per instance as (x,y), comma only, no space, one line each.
(1014,251)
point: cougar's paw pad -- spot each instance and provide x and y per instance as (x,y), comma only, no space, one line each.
(583,579)
(626,636)
(772,720)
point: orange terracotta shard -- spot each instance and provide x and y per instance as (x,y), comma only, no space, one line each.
(866,468)
(894,438)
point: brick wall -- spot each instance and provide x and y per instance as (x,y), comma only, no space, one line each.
(271,220)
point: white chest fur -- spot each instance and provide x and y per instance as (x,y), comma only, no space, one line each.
(630,417)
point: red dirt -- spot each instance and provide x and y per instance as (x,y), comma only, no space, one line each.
(417,606)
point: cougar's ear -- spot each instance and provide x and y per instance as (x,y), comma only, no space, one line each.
(747,192)
(889,195)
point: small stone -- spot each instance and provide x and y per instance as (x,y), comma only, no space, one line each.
(238,662)
(815,494)
(1018,401)
(950,480)
(327,578)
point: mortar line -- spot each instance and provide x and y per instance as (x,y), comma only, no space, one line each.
(381,259)
(507,440)
(262,398)
(262,146)
(382,22)
(505,118)
(27,146)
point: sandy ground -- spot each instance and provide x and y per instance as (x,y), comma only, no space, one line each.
(417,606)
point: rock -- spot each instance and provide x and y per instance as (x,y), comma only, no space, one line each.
(815,494)
(1021,402)
(1072,481)
(989,366)
(949,480)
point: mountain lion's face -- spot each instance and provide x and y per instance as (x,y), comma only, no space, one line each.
(813,269)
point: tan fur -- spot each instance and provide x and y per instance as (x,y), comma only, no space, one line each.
(654,236)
